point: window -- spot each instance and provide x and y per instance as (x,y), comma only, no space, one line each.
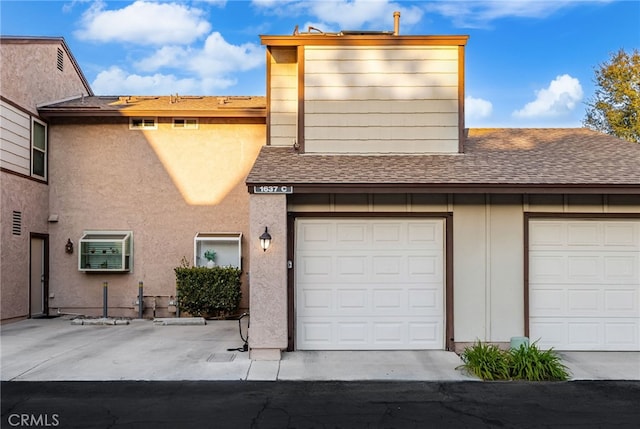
(106,251)
(222,249)
(185,123)
(38,149)
(143,124)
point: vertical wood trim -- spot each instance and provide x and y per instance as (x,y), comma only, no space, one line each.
(301,97)
(269,83)
(488,316)
(448,284)
(526,274)
(291,223)
(461,125)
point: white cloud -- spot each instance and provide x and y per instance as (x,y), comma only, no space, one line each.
(561,96)
(335,15)
(143,23)
(116,81)
(477,108)
(479,14)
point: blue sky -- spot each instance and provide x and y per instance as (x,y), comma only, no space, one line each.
(529,63)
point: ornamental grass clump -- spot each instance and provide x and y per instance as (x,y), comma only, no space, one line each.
(486,361)
(532,364)
(527,362)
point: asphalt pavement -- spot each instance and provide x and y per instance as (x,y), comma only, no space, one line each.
(320,404)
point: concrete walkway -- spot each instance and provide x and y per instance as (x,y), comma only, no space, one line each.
(62,349)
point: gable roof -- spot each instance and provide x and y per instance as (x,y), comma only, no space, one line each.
(495,160)
(55,41)
(171,105)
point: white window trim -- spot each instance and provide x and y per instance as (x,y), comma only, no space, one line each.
(144,125)
(33,147)
(188,123)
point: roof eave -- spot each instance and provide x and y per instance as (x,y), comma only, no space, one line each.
(369,39)
(87,112)
(452,188)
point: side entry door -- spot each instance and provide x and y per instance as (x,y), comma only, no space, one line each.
(39,275)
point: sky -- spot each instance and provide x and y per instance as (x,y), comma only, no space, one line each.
(528,63)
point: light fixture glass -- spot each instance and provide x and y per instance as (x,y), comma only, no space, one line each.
(265,240)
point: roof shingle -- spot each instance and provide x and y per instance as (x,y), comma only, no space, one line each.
(493,157)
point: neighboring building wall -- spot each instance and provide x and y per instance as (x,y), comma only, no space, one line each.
(283,96)
(30,73)
(165,185)
(488,234)
(363,99)
(30,198)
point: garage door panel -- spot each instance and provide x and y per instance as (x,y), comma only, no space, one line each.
(379,284)
(584,284)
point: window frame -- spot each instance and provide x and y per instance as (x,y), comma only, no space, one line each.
(34,148)
(188,124)
(143,125)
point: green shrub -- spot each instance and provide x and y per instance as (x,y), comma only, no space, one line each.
(533,364)
(489,362)
(208,292)
(486,361)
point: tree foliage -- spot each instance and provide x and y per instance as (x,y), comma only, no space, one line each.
(615,107)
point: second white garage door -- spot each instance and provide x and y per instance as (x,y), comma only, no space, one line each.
(369,284)
(584,284)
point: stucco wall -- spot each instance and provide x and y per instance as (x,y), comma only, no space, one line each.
(164,185)
(268,331)
(31,199)
(29,86)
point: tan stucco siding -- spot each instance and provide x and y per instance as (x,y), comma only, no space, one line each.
(15,139)
(283,96)
(29,86)
(164,185)
(381,99)
(268,332)
(30,198)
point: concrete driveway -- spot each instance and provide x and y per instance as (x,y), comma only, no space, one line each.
(59,350)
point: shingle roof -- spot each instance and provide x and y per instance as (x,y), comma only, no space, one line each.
(492,158)
(171,105)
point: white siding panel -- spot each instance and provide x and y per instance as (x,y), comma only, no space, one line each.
(381,146)
(381,120)
(369,284)
(379,79)
(584,284)
(351,95)
(384,67)
(391,94)
(380,106)
(371,133)
(15,139)
(382,53)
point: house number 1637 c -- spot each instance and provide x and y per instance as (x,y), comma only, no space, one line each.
(273,189)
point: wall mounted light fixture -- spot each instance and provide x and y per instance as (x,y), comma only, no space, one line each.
(69,246)
(265,240)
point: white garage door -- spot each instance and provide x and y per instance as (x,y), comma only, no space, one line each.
(584,284)
(369,284)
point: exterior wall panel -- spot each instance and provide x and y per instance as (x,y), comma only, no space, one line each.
(283,96)
(351,94)
(165,185)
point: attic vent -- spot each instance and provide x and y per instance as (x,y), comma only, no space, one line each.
(17,223)
(60,60)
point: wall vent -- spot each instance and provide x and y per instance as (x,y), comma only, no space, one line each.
(17,223)
(60,60)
